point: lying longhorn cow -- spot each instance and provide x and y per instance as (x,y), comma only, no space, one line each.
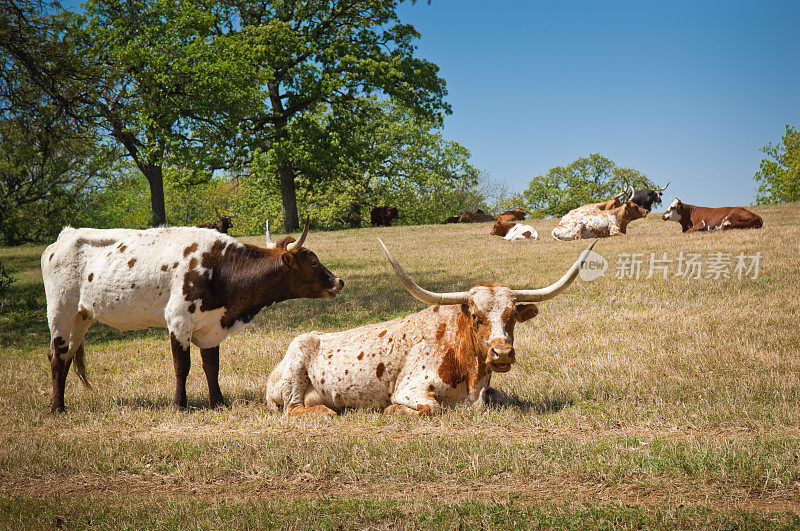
(589,221)
(693,218)
(415,365)
(199,284)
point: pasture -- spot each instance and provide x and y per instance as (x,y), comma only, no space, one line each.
(638,403)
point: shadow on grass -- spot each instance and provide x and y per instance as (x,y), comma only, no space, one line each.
(497,399)
(195,402)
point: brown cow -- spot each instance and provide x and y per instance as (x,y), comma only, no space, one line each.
(383,216)
(693,218)
(451,219)
(477,217)
(222,225)
(512,215)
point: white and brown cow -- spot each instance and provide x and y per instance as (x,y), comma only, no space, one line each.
(198,283)
(588,221)
(440,357)
(513,231)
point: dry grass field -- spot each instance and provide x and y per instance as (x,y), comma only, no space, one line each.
(655,403)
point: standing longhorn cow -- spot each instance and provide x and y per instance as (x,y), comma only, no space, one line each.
(414,365)
(199,284)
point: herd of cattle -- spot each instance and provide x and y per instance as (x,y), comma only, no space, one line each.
(202,285)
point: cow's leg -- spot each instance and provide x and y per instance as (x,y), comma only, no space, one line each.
(181,361)
(410,401)
(67,332)
(59,367)
(211,367)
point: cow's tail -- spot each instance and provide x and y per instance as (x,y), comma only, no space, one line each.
(80,367)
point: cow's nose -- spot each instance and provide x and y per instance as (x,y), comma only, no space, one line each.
(502,353)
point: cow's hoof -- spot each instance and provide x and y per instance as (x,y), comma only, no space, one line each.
(219,402)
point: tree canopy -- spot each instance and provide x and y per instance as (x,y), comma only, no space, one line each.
(585,180)
(779,174)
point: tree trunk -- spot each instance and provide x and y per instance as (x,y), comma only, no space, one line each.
(354,215)
(288,197)
(155,179)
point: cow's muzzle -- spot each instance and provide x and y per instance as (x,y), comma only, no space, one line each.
(501,358)
(338,285)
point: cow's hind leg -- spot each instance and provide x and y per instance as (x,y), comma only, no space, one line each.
(211,367)
(182,362)
(59,367)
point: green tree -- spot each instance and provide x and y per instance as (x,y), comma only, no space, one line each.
(779,175)
(365,154)
(151,75)
(585,180)
(313,53)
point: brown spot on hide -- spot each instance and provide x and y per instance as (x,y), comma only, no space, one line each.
(133,286)
(109,253)
(430,387)
(425,409)
(346,371)
(164,267)
(193,263)
(383,333)
(360,355)
(91,276)
(322,382)
(189,250)
(174,265)
(84,313)
(451,371)
(440,330)
(527,234)
(122,248)
(379,370)
(192,308)
(131,262)
(330,356)
(59,346)
(51,256)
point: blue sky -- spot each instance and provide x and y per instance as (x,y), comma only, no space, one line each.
(683,91)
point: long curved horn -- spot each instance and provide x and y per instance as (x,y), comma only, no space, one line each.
(662,189)
(542,294)
(270,243)
(296,245)
(428,297)
(630,193)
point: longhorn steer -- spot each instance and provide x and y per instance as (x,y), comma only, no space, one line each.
(647,197)
(693,218)
(199,284)
(441,356)
(589,221)
(514,231)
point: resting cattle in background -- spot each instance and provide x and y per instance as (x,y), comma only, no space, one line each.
(512,215)
(590,222)
(478,217)
(451,219)
(514,231)
(693,218)
(414,365)
(383,216)
(647,197)
(222,225)
(199,284)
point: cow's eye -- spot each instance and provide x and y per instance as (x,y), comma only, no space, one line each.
(313,262)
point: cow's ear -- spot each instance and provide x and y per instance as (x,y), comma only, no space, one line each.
(288,259)
(526,311)
(465,309)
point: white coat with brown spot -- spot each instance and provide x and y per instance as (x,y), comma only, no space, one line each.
(440,357)
(589,221)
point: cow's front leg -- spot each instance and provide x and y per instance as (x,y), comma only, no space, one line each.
(413,402)
(181,361)
(211,367)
